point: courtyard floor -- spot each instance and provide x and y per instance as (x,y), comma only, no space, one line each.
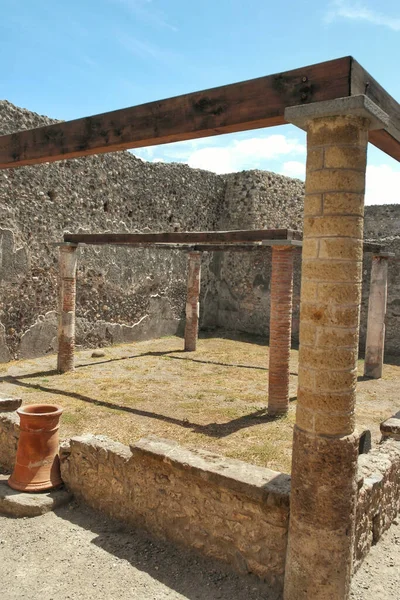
(76,554)
(214,398)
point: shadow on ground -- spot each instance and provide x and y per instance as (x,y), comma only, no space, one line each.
(215,430)
(181,569)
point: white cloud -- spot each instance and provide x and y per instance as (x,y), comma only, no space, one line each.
(279,153)
(357,11)
(218,160)
(382,185)
(237,155)
(294,168)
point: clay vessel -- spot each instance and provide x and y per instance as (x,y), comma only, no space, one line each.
(37,466)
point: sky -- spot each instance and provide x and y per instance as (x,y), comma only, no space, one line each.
(74,58)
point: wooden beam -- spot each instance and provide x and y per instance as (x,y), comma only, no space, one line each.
(374,247)
(203,247)
(183,237)
(387,140)
(238,107)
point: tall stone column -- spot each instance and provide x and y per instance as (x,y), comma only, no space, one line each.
(192,302)
(280,329)
(325,446)
(376,318)
(66,315)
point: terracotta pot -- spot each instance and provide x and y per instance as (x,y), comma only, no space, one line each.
(37,466)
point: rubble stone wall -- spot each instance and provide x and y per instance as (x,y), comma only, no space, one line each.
(130,294)
(122,294)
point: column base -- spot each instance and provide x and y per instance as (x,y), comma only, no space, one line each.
(322,517)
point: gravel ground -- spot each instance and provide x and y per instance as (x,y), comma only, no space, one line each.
(75,553)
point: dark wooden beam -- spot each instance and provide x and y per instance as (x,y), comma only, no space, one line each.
(387,140)
(250,247)
(238,107)
(183,237)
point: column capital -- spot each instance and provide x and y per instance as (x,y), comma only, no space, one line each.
(358,106)
(383,255)
(67,246)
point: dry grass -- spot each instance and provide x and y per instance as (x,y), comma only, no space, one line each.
(214,398)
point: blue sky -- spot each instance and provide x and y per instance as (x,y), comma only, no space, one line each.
(81,57)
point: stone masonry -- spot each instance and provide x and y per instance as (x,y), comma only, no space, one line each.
(325,447)
(129,294)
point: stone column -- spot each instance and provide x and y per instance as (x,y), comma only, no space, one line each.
(325,446)
(192,302)
(280,329)
(66,315)
(376,318)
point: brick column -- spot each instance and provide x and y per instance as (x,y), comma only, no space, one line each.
(376,318)
(66,315)
(192,302)
(325,447)
(280,329)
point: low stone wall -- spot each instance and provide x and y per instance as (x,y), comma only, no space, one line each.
(9,433)
(378,497)
(225,508)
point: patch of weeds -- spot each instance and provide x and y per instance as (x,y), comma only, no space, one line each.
(71,418)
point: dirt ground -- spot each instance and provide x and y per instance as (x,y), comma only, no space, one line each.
(76,554)
(214,398)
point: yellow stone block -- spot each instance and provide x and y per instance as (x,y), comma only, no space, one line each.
(315,159)
(304,418)
(341,248)
(334,337)
(306,378)
(335,180)
(345,157)
(333,226)
(334,358)
(339,293)
(327,402)
(345,203)
(334,424)
(310,248)
(330,315)
(309,291)
(308,332)
(332,270)
(335,381)
(341,129)
(313,204)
